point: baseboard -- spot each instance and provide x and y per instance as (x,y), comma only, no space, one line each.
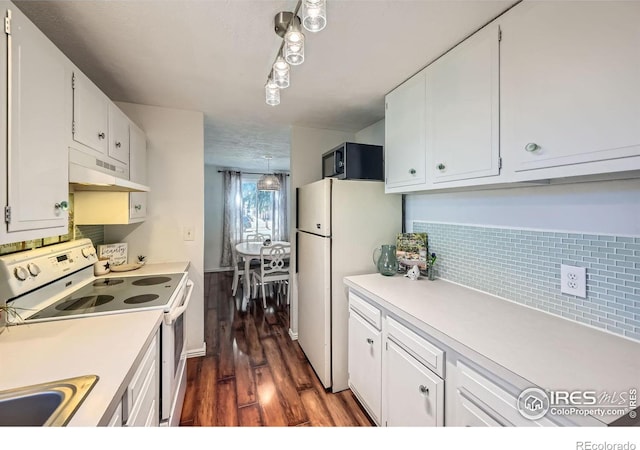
(292,335)
(197,352)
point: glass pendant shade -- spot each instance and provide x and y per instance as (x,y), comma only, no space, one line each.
(294,45)
(281,73)
(272,93)
(314,15)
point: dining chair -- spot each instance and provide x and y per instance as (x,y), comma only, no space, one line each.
(274,266)
(258,237)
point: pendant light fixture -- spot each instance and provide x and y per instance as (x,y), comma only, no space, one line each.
(281,70)
(294,43)
(268,181)
(314,15)
(291,52)
(272,92)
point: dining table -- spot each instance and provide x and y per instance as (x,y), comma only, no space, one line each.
(249,251)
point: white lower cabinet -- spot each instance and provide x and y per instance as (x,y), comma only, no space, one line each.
(365,364)
(486,400)
(142,398)
(116,418)
(404,376)
(472,415)
(413,394)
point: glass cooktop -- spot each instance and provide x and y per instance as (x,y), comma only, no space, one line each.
(105,295)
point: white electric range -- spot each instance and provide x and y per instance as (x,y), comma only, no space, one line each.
(57,283)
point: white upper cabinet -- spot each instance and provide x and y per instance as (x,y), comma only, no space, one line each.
(90,114)
(570,86)
(138,171)
(118,134)
(462,110)
(33,88)
(404,148)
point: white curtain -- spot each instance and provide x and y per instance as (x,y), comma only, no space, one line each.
(232,222)
(281,209)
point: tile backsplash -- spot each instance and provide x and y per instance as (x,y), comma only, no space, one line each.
(524,266)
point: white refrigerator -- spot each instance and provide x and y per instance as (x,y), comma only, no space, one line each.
(340,223)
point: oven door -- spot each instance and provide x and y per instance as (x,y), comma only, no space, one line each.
(174,359)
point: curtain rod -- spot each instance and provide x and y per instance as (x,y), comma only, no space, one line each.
(252,173)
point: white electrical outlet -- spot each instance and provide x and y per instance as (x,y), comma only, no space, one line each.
(573,280)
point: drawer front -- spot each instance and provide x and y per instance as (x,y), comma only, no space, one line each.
(420,348)
(148,395)
(471,415)
(116,419)
(366,310)
(489,393)
(137,383)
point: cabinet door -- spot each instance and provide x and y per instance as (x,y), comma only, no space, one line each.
(137,171)
(472,415)
(569,77)
(414,395)
(404,148)
(118,135)
(365,364)
(462,101)
(90,114)
(37,161)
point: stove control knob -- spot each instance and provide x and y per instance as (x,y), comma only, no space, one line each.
(88,251)
(33,269)
(21,273)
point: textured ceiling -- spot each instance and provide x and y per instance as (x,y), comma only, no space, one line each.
(214,56)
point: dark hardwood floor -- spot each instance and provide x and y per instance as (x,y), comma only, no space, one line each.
(253,373)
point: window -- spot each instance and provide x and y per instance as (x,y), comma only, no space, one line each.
(257,208)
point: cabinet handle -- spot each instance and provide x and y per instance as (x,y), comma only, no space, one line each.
(423,389)
(101,135)
(63,205)
(441,166)
(118,145)
(412,171)
(138,207)
(532,147)
(369,341)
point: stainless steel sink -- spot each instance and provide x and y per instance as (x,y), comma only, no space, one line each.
(47,404)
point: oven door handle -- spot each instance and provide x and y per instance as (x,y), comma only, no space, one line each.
(171,316)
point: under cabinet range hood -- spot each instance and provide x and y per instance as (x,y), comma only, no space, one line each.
(90,173)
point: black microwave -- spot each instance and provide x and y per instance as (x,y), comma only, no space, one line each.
(352,161)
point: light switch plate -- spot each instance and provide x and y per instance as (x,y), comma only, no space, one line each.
(188,234)
(573,280)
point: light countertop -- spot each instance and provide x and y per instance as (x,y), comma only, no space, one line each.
(108,346)
(548,351)
(153,269)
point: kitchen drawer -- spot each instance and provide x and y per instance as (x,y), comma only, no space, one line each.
(146,404)
(116,418)
(144,369)
(369,312)
(423,350)
(489,393)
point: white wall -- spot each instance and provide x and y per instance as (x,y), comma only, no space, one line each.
(175,162)
(307,147)
(606,207)
(213,217)
(373,134)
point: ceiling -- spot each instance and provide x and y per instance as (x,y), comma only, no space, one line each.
(214,56)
